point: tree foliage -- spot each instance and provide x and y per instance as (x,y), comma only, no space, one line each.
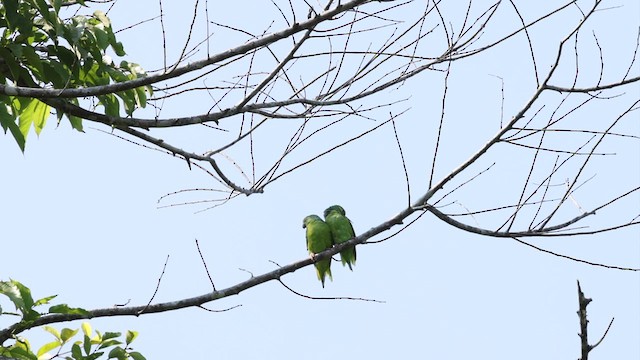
(38,49)
(93,346)
(306,79)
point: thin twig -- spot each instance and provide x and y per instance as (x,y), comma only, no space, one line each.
(205,265)
(142,310)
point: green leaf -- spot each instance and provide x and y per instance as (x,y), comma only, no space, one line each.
(10,61)
(92,74)
(102,17)
(56,5)
(20,295)
(102,39)
(110,335)
(8,122)
(48,347)
(55,73)
(46,27)
(129,99)
(53,331)
(111,105)
(32,59)
(65,309)
(141,96)
(66,56)
(117,353)
(21,343)
(30,315)
(137,356)
(42,112)
(10,290)
(11,12)
(43,7)
(22,353)
(98,336)
(44,300)
(108,343)
(117,75)
(24,123)
(76,353)
(94,356)
(25,294)
(86,328)
(67,334)
(118,48)
(16,49)
(76,122)
(74,31)
(30,111)
(37,37)
(131,335)
(87,345)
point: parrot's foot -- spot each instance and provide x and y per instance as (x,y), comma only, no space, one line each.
(312,256)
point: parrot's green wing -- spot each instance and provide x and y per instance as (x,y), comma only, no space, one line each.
(319,240)
(341,230)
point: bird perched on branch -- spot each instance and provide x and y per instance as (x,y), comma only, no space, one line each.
(341,231)
(318,240)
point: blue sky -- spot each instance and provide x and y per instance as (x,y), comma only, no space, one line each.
(81,215)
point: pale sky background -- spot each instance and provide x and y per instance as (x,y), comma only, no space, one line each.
(80,217)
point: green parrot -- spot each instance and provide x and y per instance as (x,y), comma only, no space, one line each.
(318,240)
(341,230)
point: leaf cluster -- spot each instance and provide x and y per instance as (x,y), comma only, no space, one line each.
(39,49)
(92,346)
